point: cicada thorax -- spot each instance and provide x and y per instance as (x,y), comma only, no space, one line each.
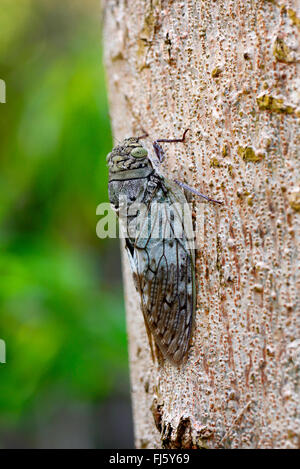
(162,263)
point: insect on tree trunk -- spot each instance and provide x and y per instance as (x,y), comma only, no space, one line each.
(228,71)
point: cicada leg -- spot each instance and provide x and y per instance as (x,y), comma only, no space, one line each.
(158,149)
(194,191)
(161,155)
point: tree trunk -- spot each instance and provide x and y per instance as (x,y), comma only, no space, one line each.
(227,70)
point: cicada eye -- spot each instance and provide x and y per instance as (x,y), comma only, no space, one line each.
(139,152)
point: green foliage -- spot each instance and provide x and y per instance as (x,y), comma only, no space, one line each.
(61,314)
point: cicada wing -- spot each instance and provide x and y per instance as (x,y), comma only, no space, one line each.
(165,279)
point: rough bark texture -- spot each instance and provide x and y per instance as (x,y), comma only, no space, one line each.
(228,71)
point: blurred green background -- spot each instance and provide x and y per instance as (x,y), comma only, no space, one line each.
(65,383)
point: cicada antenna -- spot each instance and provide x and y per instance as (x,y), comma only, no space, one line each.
(144,135)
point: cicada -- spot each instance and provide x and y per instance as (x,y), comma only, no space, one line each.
(160,251)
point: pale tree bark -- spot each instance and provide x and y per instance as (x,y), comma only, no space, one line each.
(229,71)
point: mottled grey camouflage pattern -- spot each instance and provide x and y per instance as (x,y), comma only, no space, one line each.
(163,267)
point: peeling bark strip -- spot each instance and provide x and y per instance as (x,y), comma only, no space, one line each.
(228,71)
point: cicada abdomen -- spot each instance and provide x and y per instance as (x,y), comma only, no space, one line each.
(159,247)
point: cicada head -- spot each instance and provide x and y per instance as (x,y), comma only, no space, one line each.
(129,160)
